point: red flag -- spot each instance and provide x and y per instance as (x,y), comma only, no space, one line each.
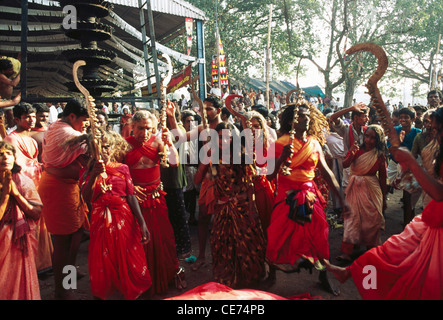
(178,80)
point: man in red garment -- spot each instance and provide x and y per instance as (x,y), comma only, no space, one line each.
(144,165)
(63,207)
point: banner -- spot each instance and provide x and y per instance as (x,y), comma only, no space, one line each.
(223,70)
(189,23)
(214,70)
(219,67)
(178,81)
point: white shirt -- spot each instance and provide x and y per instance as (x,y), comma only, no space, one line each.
(184,103)
(53,114)
(216,92)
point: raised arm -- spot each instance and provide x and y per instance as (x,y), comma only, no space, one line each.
(430,185)
(360,107)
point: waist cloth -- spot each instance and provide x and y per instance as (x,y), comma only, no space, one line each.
(64,210)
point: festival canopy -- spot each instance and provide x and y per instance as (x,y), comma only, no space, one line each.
(48,69)
(282,86)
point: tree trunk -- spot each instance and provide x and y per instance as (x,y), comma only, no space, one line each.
(350,86)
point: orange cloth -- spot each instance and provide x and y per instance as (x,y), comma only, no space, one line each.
(18,280)
(63,208)
(304,160)
(45,248)
(26,155)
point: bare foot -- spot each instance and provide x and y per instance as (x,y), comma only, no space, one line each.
(342,274)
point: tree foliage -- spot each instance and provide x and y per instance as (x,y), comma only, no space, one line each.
(319,31)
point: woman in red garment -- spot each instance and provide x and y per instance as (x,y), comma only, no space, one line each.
(20,208)
(143,162)
(118,231)
(408,266)
(237,241)
(125,122)
(366,192)
(296,243)
(264,189)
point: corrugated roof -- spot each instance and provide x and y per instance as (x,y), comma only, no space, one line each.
(174,7)
(46,40)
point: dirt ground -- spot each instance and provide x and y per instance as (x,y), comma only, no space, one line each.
(286,285)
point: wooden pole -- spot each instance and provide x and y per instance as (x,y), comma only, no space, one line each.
(217,45)
(268,58)
(435,67)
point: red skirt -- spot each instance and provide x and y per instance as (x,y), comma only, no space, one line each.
(161,253)
(288,240)
(264,199)
(116,254)
(408,266)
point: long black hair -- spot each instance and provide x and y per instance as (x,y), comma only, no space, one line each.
(437,115)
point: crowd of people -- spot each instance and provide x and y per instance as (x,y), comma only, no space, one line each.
(264,204)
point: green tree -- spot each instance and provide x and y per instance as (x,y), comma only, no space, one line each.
(319,31)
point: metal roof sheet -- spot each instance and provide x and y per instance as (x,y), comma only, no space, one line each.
(174,7)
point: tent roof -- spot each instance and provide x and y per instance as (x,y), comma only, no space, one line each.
(282,86)
(47,67)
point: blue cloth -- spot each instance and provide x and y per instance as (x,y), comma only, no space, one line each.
(409,138)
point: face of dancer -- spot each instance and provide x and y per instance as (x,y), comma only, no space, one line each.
(303,120)
(6,159)
(142,130)
(107,151)
(26,121)
(370,139)
(211,111)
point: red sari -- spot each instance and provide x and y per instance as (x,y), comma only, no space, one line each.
(264,190)
(408,266)
(18,280)
(161,251)
(116,254)
(288,240)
